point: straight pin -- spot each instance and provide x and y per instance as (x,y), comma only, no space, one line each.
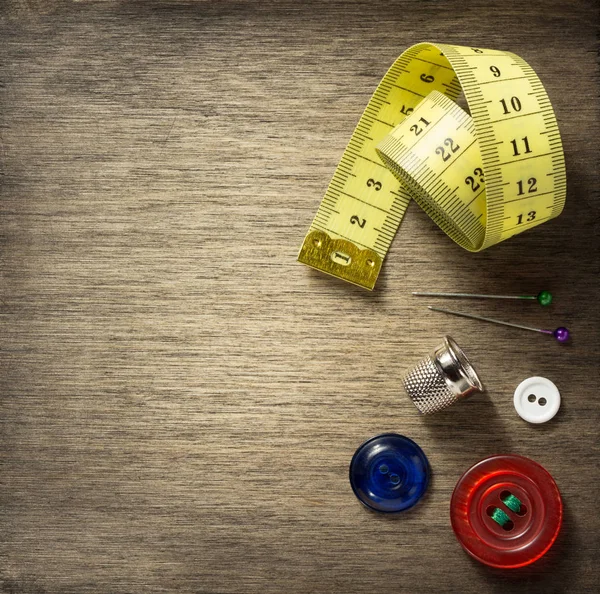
(543,297)
(561,334)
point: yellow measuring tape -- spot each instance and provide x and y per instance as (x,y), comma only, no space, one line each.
(482,177)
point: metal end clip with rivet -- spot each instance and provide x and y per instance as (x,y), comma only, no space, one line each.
(441,378)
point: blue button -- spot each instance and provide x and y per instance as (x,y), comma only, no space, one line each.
(389,473)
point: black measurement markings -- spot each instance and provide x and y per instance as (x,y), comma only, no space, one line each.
(467,221)
(475,226)
(469,224)
(551,130)
(357,132)
(397,211)
(525,159)
(469,124)
(322,222)
(457,157)
(525,223)
(363,201)
(421,136)
(465,70)
(405,89)
(434,185)
(329,201)
(338,182)
(470,85)
(521,115)
(475,198)
(485,139)
(387,234)
(397,194)
(382,122)
(434,63)
(489,82)
(457,208)
(531,195)
(454,88)
(374,101)
(450,202)
(371,161)
(426,178)
(327,211)
(347,160)
(479,105)
(320,226)
(443,197)
(491,144)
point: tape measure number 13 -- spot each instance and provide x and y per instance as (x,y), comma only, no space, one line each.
(482,177)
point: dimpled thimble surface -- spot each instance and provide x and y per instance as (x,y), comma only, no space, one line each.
(441,378)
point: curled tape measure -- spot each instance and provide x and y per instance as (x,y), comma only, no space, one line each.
(482,177)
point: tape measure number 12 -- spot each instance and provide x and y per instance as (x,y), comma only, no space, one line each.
(482,177)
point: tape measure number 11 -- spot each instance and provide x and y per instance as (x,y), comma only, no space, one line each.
(482,177)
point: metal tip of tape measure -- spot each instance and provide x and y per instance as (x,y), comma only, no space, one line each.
(341,258)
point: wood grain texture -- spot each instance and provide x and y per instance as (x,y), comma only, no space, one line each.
(179,398)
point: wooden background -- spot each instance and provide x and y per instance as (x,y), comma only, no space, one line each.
(180,399)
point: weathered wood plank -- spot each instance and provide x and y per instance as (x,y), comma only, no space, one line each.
(179,398)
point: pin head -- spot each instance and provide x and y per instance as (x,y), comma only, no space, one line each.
(544,298)
(561,334)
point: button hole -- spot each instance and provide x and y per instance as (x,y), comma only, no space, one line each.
(542,402)
(513,503)
(531,397)
(500,517)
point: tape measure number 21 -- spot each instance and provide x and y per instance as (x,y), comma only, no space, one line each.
(482,177)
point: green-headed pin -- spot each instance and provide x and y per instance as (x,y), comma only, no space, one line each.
(543,297)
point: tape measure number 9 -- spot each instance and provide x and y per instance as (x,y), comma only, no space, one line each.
(482,178)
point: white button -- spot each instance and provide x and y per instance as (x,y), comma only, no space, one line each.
(537,399)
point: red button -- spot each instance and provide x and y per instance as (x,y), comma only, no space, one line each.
(492,531)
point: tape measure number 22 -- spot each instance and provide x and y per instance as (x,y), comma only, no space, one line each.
(482,177)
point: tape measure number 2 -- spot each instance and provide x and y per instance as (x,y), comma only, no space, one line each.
(482,177)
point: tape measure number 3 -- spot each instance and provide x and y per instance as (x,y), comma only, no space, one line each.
(482,177)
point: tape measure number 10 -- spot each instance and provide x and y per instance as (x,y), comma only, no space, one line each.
(482,177)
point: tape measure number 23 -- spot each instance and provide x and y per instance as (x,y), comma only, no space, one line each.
(482,177)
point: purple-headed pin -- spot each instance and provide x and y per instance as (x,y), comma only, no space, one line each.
(561,334)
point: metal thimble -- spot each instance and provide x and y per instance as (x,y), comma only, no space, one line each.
(442,378)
